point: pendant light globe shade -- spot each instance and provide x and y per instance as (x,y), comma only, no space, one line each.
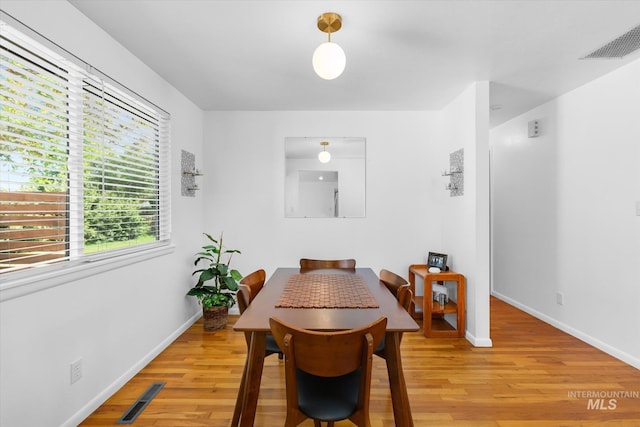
(329,60)
(324,156)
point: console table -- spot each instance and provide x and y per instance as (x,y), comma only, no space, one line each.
(432,312)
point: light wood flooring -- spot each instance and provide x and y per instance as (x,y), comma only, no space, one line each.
(534,375)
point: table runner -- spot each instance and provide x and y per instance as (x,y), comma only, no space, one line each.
(326,291)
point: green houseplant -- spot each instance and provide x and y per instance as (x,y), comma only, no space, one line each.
(217,283)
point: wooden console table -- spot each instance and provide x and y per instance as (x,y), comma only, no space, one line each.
(432,312)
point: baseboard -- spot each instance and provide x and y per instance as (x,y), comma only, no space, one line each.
(618,354)
(478,342)
(102,397)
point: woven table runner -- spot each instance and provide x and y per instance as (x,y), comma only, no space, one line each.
(326,291)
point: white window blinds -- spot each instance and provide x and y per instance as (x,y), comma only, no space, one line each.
(83,163)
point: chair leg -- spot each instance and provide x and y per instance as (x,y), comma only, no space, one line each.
(316,423)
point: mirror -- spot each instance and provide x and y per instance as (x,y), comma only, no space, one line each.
(335,189)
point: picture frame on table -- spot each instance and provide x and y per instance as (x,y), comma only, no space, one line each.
(437,260)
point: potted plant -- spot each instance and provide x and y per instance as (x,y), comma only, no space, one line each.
(217,283)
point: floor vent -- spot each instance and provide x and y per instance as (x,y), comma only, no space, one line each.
(618,48)
(132,413)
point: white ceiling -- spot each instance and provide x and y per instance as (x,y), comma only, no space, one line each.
(401,55)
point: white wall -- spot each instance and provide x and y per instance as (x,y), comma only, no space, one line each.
(564,212)
(465,223)
(116,320)
(244,194)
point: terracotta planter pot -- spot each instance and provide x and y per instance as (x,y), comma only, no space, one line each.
(215,318)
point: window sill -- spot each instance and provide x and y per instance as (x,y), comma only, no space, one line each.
(71,271)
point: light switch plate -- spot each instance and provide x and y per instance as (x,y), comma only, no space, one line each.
(638,208)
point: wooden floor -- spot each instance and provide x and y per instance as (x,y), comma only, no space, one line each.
(535,375)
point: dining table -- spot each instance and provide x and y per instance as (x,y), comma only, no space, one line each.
(322,300)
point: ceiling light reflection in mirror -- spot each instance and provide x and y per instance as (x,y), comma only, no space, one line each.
(335,189)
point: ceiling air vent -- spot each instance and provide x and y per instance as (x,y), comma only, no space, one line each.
(618,48)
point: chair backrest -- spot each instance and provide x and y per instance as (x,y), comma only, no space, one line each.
(398,286)
(310,264)
(405,296)
(249,287)
(243,296)
(327,354)
(392,281)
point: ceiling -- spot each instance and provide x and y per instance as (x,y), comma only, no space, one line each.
(401,55)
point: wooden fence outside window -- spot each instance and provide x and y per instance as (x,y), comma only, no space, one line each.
(33,228)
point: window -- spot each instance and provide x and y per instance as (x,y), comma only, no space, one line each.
(83,162)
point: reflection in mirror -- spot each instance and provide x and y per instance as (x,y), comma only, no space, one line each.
(316,188)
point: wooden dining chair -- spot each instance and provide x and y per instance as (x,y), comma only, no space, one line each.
(312,264)
(404,296)
(253,283)
(249,288)
(398,286)
(328,374)
(400,289)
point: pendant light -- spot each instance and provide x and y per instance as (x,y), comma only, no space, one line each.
(329,59)
(324,156)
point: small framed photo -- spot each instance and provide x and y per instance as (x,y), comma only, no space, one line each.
(437,260)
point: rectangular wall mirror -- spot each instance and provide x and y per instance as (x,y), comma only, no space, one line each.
(318,189)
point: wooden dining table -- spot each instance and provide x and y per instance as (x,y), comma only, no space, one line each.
(280,297)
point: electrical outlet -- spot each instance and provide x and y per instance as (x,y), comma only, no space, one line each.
(76,370)
(559,298)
